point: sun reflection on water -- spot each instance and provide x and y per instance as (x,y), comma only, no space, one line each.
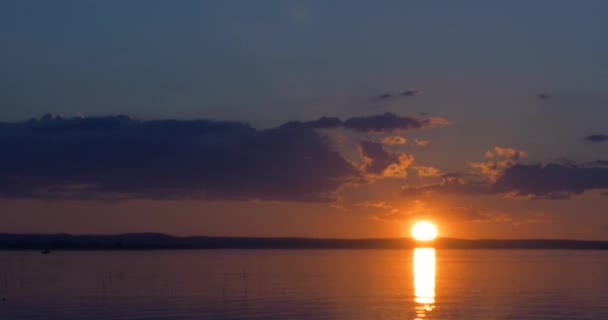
(424,281)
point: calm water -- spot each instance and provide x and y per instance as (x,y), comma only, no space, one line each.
(305,284)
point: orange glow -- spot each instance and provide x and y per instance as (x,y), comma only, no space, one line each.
(424,281)
(424,231)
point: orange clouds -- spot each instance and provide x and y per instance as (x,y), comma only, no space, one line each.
(394,140)
(379,163)
(499,159)
(421,143)
(427,171)
(398,169)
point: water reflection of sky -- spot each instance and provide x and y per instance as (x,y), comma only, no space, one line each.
(424,281)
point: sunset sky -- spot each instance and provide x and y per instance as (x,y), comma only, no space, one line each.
(305,118)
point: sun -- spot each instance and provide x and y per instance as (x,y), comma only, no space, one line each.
(424,231)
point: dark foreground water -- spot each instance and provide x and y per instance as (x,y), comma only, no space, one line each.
(305,284)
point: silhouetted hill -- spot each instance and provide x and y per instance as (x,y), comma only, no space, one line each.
(142,241)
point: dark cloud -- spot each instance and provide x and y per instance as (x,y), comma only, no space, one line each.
(380,159)
(385,123)
(502,174)
(390,122)
(525,181)
(596,137)
(326,123)
(410,93)
(321,123)
(381,97)
(551,181)
(118,157)
(378,162)
(390,96)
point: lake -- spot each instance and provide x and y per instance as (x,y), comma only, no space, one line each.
(305,284)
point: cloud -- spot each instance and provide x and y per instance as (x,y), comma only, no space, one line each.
(394,140)
(378,163)
(411,93)
(403,94)
(321,123)
(421,143)
(381,97)
(427,171)
(550,181)
(119,157)
(390,123)
(498,160)
(384,123)
(452,183)
(501,175)
(596,137)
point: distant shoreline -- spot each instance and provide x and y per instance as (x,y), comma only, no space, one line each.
(156,241)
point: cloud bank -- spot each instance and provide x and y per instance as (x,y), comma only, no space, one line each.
(502,175)
(119,157)
(384,123)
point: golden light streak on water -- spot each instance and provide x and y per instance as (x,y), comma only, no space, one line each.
(424,281)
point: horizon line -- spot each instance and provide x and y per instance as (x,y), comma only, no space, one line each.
(284,237)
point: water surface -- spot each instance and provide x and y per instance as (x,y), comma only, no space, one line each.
(305,284)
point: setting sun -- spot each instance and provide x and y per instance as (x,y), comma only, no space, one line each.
(424,231)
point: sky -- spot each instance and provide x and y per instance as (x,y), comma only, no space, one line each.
(304,118)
